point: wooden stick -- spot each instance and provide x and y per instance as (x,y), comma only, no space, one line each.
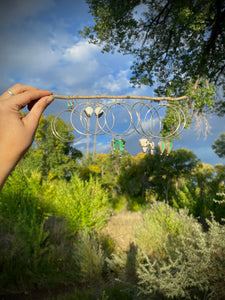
(120,97)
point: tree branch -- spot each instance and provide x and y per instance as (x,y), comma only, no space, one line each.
(56,96)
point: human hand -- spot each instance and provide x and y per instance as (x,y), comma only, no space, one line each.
(16,130)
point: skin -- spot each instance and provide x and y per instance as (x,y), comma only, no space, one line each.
(17,131)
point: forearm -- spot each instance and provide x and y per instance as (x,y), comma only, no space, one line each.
(10,154)
(8,161)
(7,164)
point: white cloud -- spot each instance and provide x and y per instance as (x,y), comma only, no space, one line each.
(114,83)
(82,51)
(48,61)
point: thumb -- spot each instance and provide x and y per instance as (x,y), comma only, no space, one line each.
(32,119)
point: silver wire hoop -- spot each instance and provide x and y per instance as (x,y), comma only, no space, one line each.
(55,132)
(110,131)
(151,134)
(91,118)
(149,106)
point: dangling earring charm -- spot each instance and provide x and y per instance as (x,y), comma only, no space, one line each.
(70,105)
(161,145)
(165,146)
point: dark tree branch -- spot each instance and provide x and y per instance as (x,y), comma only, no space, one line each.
(156,19)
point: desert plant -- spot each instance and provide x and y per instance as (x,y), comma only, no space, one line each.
(88,258)
(162,225)
(183,262)
(175,258)
(216,269)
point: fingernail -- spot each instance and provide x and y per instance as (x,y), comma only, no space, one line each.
(50,99)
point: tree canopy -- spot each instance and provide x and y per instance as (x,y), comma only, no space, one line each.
(219,146)
(174,42)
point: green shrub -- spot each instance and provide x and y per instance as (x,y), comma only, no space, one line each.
(183,277)
(82,204)
(172,257)
(19,198)
(33,252)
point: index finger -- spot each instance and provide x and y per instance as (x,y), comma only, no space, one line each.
(21,100)
(17,89)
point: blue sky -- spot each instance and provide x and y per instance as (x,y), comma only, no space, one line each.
(41,47)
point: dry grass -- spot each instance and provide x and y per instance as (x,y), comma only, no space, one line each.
(121,227)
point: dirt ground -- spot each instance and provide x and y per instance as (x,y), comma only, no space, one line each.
(120,228)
